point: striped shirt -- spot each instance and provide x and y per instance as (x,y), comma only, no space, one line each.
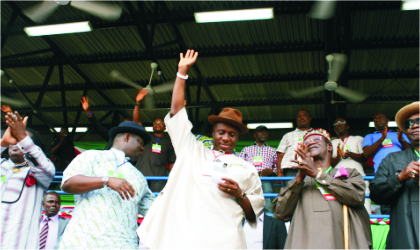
(21,205)
(101,218)
(269,156)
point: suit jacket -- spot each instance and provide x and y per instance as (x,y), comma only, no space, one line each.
(62,224)
(274,233)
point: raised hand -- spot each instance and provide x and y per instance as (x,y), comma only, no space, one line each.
(15,131)
(140,96)
(385,132)
(411,171)
(6,108)
(188,60)
(85,104)
(306,165)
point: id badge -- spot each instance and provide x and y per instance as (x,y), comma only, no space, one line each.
(257,161)
(112,173)
(300,142)
(347,148)
(387,143)
(156,148)
(219,170)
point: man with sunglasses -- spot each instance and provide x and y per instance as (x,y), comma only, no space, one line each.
(397,183)
(383,141)
(348,152)
(315,199)
(156,156)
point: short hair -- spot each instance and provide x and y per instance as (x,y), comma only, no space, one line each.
(36,138)
(52,192)
(381,114)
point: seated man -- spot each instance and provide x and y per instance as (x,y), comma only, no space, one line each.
(209,191)
(270,233)
(52,226)
(109,192)
(25,177)
(315,199)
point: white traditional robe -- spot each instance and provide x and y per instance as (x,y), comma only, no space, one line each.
(191,212)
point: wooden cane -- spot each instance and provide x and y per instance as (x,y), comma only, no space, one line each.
(346,226)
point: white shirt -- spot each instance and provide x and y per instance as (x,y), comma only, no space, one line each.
(355,143)
(288,144)
(254,236)
(191,212)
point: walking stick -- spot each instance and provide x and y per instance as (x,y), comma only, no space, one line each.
(346,226)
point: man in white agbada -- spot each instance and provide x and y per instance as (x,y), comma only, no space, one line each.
(208,191)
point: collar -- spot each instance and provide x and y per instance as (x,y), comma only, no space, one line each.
(381,132)
(119,154)
(24,164)
(261,218)
(304,131)
(53,219)
(264,144)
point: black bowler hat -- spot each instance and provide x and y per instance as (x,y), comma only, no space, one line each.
(261,127)
(133,128)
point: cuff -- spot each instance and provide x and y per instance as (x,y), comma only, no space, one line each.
(3,148)
(394,183)
(324,179)
(26,144)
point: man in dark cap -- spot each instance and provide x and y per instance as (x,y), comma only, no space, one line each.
(264,159)
(25,177)
(208,191)
(396,183)
(109,192)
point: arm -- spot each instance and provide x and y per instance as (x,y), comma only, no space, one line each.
(170,166)
(57,146)
(369,151)
(136,112)
(178,92)
(86,106)
(335,160)
(99,128)
(402,138)
(285,203)
(279,159)
(357,157)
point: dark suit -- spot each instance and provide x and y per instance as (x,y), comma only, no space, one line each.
(274,233)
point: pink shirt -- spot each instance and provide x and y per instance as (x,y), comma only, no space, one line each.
(52,231)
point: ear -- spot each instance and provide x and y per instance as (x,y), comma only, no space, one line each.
(127,137)
(329,147)
(255,135)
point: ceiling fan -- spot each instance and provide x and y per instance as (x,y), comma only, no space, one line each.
(323,10)
(149,101)
(40,12)
(336,63)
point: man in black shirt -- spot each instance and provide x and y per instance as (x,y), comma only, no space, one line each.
(156,156)
(63,150)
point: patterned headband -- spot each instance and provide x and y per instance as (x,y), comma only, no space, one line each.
(318,131)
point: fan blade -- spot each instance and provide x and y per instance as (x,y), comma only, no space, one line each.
(117,76)
(40,12)
(168,86)
(149,102)
(337,66)
(306,92)
(101,10)
(323,10)
(351,95)
(14,102)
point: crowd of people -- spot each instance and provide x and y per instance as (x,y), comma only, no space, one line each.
(214,197)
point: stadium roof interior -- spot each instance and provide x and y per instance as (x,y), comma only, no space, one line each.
(249,65)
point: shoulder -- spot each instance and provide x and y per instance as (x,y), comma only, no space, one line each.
(398,155)
(246,148)
(288,134)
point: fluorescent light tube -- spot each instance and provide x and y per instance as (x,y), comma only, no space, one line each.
(150,129)
(234,15)
(78,129)
(55,29)
(410,5)
(390,125)
(271,125)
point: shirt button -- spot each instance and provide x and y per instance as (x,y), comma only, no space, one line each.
(323,181)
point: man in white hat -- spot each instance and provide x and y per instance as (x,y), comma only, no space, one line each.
(397,184)
(208,191)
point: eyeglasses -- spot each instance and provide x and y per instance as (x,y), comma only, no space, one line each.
(154,123)
(410,123)
(312,139)
(338,123)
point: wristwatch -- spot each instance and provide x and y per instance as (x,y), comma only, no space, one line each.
(105,180)
(242,198)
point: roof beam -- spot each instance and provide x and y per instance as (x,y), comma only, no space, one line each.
(286,102)
(318,76)
(257,49)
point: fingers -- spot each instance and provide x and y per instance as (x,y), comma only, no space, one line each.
(416,163)
(181,56)
(230,181)
(18,117)
(300,153)
(130,189)
(195,56)
(25,120)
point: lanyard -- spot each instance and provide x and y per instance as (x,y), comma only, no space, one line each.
(345,142)
(328,170)
(116,159)
(215,157)
(157,141)
(417,153)
(259,149)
